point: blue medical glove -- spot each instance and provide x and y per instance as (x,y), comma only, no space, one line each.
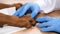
(33,6)
(49,24)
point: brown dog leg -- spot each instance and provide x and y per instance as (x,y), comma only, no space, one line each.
(24,21)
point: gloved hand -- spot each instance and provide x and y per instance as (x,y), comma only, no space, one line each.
(49,24)
(22,10)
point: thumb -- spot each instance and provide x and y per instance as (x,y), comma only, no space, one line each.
(46,29)
(43,19)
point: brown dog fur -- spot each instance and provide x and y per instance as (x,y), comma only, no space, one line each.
(25,21)
(14,20)
(17,5)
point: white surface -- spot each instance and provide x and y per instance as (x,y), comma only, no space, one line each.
(47,9)
(46,5)
(10,29)
(8,11)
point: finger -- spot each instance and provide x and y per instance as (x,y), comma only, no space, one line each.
(24,10)
(18,11)
(47,29)
(43,19)
(42,25)
(35,10)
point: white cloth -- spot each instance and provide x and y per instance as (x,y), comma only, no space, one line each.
(8,11)
(10,29)
(45,5)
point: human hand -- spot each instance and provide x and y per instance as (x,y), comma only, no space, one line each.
(23,10)
(49,24)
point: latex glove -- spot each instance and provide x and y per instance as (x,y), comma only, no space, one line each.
(22,10)
(49,24)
